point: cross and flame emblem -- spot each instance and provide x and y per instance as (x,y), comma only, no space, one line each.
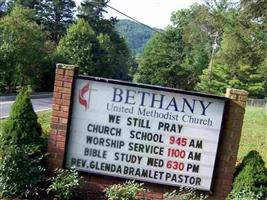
(83,96)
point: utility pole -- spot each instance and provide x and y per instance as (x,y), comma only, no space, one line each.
(214,47)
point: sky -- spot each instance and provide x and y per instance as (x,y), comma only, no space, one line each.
(155,13)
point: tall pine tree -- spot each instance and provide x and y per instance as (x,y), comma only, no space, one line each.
(239,63)
(56,16)
(114,56)
(93,11)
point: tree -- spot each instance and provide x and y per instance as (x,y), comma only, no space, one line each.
(21,48)
(197,35)
(161,63)
(240,58)
(112,59)
(116,55)
(30,4)
(177,57)
(93,11)
(235,65)
(21,127)
(80,46)
(20,149)
(250,176)
(56,16)
(95,55)
(255,9)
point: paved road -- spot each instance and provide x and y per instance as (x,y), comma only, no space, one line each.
(39,104)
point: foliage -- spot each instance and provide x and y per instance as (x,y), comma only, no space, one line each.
(177,56)
(126,191)
(21,127)
(80,46)
(115,56)
(44,121)
(243,73)
(64,183)
(20,170)
(216,84)
(113,59)
(97,55)
(20,149)
(221,44)
(256,10)
(245,195)
(30,4)
(47,72)
(56,16)
(196,31)
(21,47)
(250,176)
(92,11)
(242,50)
(136,35)
(184,194)
(161,63)
(53,18)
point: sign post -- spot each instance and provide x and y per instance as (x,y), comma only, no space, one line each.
(147,133)
(151,134)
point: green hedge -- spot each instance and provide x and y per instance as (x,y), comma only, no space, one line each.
(21,147)
(250,177)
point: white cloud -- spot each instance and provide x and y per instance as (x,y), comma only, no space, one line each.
(155,13)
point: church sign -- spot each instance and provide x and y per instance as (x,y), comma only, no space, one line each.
(143,132)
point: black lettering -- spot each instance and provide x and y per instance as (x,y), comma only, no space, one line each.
(114,119)
(196,144)
(191,107)
(130,96)
(117,95)
(116,156)
(77,162)
(204,107)
(192,167)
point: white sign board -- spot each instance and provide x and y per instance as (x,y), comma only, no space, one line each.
(145,133)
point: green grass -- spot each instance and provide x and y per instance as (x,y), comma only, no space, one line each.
(44,120)
(254,133)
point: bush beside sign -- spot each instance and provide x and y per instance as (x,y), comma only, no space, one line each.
(146,133)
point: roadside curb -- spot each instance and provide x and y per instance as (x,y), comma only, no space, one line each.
(33,96)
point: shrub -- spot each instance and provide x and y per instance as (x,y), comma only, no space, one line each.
(20,170)
(184,193)
(245,195)
(125,191)
(21,127)
(250,177)
(20,149)
(64,183)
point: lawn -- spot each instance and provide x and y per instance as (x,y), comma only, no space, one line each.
(254,133)
(44,120)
